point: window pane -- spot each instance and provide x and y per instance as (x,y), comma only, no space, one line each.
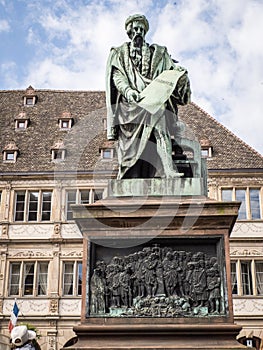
(68,278)
(97,195)
(79,286)
(21,124)
(106,153)
(58,154)
(241,197)
(234,277)
(65,124)
(71,199)
(14,279)
(42,278)
(33,205)
(227,195)
(10,156)
(46,206)
(254,203)
(29,101)
(84,196)
(259,277)
(20,206)
(28,278)
(246,278)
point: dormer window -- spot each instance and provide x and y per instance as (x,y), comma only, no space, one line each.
(21,122)
(10,153)
(30,97)
(206,148)
(58,151)
(107,153)
(58,154)
(107,150)
(66,121)
(29,101)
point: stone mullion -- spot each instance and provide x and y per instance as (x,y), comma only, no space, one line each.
(56,209)
(6,203)
(55,272)
(35,279)
(254,278)
(248,206)
(239,279)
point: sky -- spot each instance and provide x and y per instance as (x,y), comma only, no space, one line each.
(64,45)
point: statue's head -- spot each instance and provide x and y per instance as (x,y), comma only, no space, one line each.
(136,25)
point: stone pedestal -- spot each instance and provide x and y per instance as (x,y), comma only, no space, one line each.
(195,231)
(156,336)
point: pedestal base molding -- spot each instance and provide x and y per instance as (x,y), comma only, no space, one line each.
(150,336)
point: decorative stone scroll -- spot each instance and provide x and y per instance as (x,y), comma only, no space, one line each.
(157,281)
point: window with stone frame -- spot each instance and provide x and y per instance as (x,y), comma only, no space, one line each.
(206,148)
(58,151)
(65,123)
(247,277)
(21,121)
(30,97)
(250,198)
(81,196)
(33,205)
(107,153)
(29,101)
(10,155)
(28,278)
(72,278)
(21,124)
(58,154)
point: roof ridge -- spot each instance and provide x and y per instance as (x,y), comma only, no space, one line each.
(228,130)
(52,90)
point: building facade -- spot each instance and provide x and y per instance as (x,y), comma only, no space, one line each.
(54,154)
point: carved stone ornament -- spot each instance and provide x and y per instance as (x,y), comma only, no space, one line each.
(53,306)
(157,282)
(52,342)
(57,230)
(5,231)
(245,252)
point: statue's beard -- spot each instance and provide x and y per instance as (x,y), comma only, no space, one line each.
(137,40)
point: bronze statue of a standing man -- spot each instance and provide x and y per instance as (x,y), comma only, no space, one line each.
(144,138)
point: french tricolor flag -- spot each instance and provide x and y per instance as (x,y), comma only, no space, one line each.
(13,317)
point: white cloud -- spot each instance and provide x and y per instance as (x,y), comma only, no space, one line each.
(4,26)
(8,73)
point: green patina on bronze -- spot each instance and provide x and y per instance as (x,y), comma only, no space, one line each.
(142,98)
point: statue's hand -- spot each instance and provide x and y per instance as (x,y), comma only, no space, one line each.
(132,95)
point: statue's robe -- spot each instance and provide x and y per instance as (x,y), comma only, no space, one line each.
(131,125)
